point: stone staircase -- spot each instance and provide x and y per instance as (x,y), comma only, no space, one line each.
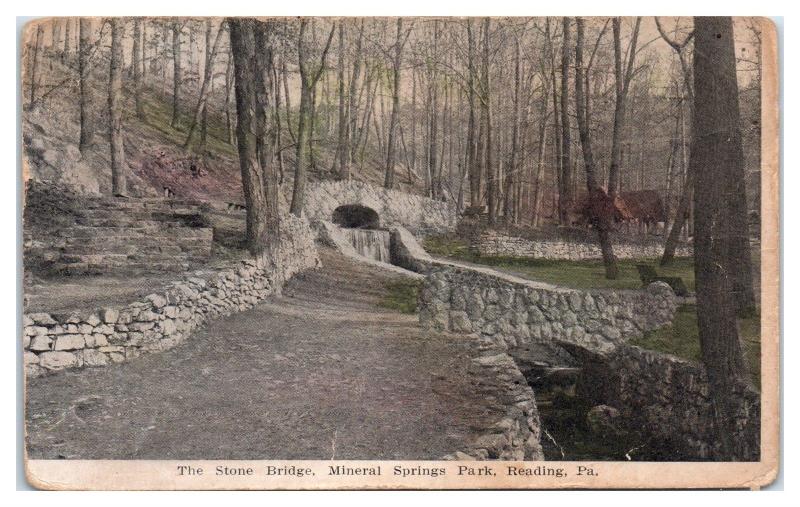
(107,235)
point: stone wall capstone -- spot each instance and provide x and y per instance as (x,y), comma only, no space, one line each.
(667,398)
(54,342)
(419,214)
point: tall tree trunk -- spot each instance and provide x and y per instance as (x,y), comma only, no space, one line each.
(202,100)
(395,118)
(86,123)
(601,205)
(228,85)
(243,47)
(119,183)
(509,196)
(350,147)
(564,183)
(35,61)
(177,76)
(623,72)
(473,168)
(137,67)
(491,181)
(308,82)
(67,36)
(208,76)
(341,158)
(717,160)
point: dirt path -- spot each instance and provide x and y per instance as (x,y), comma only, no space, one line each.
(318,373)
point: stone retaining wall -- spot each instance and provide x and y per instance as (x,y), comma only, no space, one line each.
(516,435)
(418,214)
(667,398)
(512,311)
(492,243)
(54,342)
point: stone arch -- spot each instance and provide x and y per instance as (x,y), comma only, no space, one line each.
(356,216)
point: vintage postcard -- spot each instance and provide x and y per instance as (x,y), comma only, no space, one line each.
(400,253)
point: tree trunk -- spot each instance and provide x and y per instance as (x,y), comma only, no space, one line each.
(86,123)
(491,182)
(176,77)
(473,168)
(509,196)
(208,76)
(341,159)
(119,185)
(716,160)
(308,82)
(35,61)
(228,85)
(564,183)
(243,49)
(202,100)
(65,54)
(395,118)
(601,205)
(137,67)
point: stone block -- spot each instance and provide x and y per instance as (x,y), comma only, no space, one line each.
(58,360)
(40,343)
(70,342)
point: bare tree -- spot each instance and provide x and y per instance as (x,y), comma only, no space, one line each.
(717,160)
(119,182)
(86,123)
(202,100)
(137,61)
(601,205)
(564,175)
(308,82)
(395,119)
(35,60)
(243,47)
(177,76)
(623,73)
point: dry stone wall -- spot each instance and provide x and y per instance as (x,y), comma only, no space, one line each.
(418,214)
(667,398)
(513,311)
(492,243)
(54,342)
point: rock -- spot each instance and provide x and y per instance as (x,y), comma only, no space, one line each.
(460,323)
(43,319)
(58,360)
(93,320)
(109,315)
(40,343)
(603,420)
(70,342)
(93,357)
(158,300)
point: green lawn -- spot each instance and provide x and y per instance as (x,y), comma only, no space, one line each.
(682,339)
(575,274)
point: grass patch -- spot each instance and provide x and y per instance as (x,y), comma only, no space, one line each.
(401,295)
(682,339)
(588,274)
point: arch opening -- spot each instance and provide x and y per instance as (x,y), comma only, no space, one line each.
(356,216)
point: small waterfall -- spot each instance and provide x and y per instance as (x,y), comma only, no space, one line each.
(370,243)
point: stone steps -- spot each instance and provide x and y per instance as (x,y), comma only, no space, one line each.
(114,235)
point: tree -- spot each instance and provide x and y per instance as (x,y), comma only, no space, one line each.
(202,100)
(86,123)
(308,82)
(473,167)
(491,181)
(137,60)
(177,75)
(259,234)
(395,118)
(601,205)
(564,175)
(717,160)
(35,61)
(682,210)
(119,184)
(623,73)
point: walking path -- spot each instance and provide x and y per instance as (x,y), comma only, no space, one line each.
(321,372)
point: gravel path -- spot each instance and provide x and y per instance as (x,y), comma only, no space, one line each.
(320,372)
